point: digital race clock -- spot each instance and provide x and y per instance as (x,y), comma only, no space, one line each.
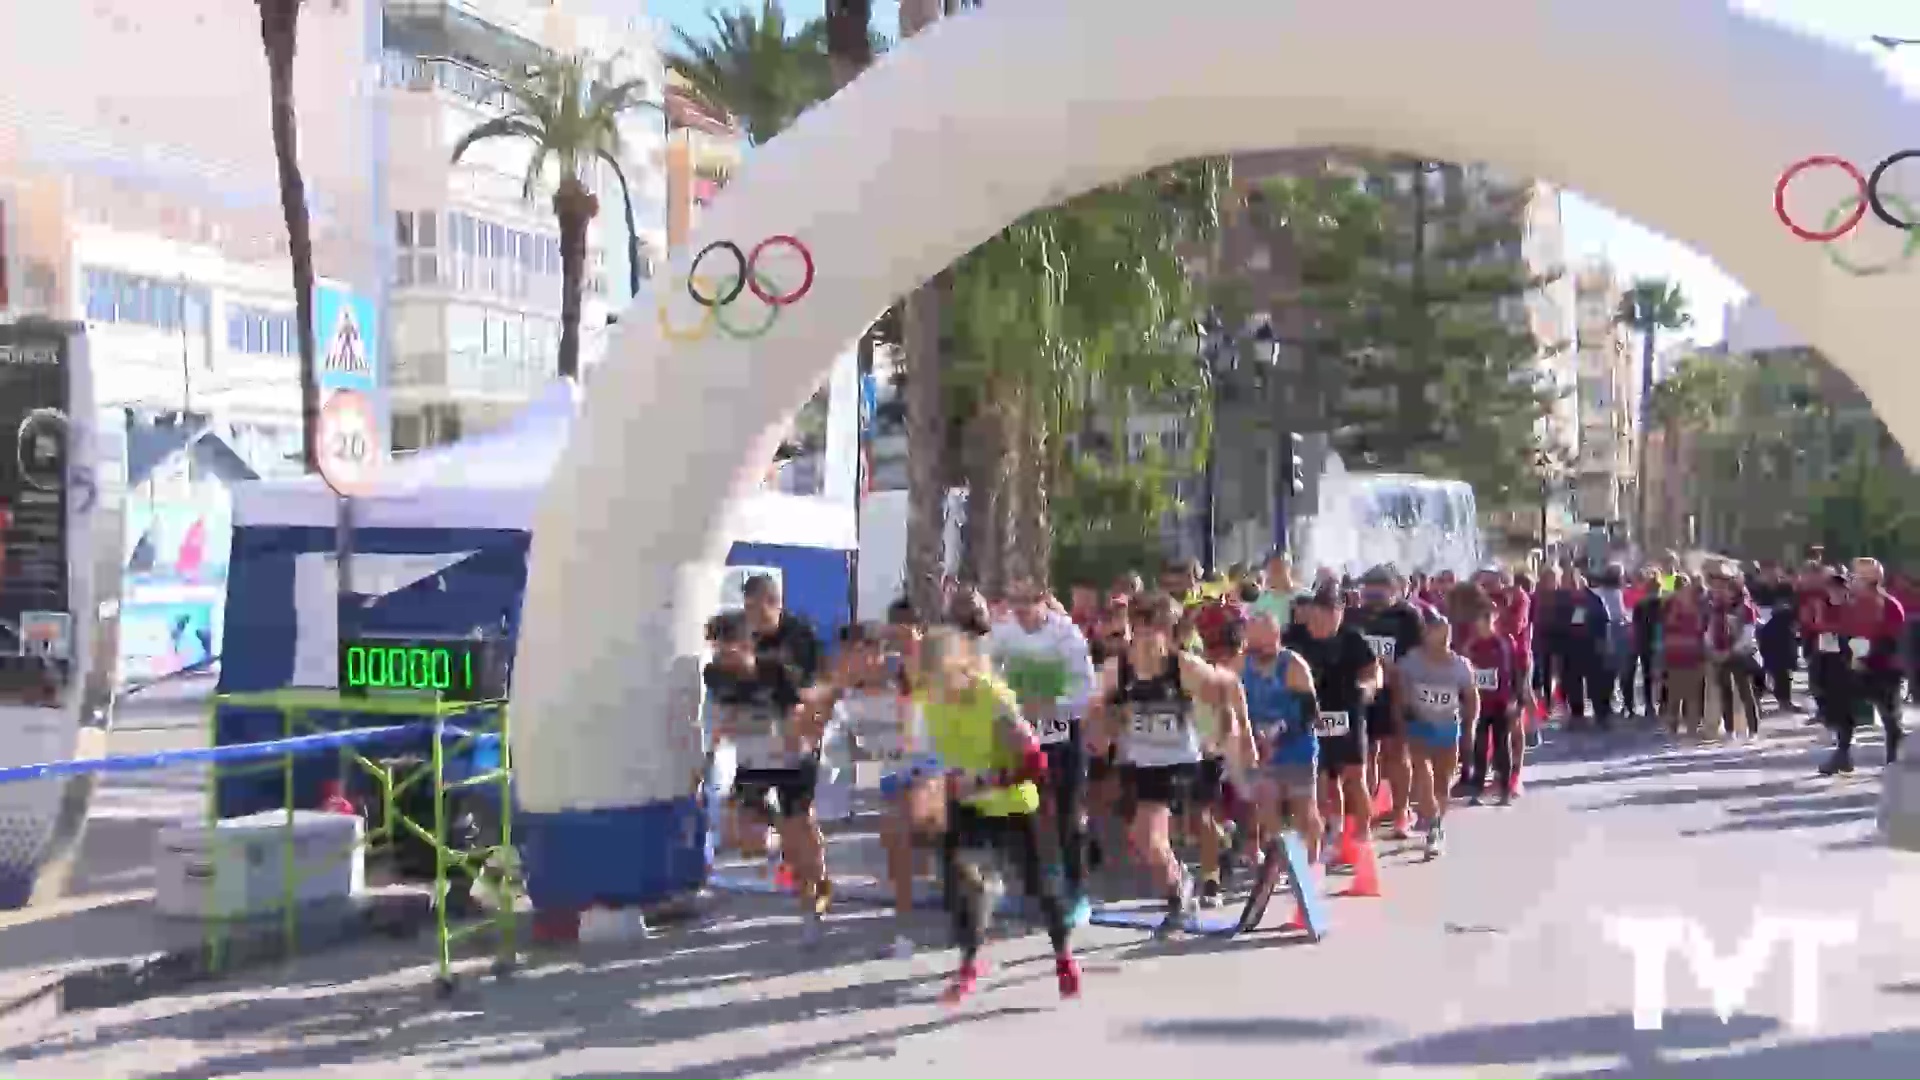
(455,669)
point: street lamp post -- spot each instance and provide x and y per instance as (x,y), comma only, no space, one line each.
(1218,355)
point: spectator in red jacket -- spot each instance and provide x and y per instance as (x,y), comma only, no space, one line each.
(1877,625)
(1733,650)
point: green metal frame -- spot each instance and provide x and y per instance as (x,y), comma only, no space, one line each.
(496,862)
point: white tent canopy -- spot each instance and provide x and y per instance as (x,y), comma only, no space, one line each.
(495,480)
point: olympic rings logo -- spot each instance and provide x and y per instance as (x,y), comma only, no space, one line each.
(716,296)
(1845,217)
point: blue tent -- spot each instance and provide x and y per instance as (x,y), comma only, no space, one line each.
(440,549)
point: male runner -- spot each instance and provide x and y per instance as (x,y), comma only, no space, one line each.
(1347,677)
(1146,701)
(756,709)
(1042,658)
(1391,627)
(1282,712)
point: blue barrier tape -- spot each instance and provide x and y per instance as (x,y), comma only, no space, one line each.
(236,752)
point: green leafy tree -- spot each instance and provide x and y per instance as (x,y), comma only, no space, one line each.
(1401,306)
(568,109)
(1108,518)
(755,66)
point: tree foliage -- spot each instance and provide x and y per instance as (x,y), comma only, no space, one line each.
(1404,306)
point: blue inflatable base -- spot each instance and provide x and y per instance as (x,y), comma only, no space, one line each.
(630,856)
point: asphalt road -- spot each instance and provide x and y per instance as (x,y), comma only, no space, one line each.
(1493,961)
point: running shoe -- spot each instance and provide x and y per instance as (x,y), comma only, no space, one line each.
(1179,910)
(783,878)
(823,898)
(1067,971)
(1436,841)
(962,985)
(1080,912)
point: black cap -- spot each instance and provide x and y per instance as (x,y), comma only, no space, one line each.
(1379,575)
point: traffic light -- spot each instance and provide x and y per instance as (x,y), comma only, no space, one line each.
(1290,458)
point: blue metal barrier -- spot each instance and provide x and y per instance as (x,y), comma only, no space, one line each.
(239,752)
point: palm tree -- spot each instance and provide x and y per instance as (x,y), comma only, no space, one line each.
(280,35)
(572,118)
(751,67)
(1649,306)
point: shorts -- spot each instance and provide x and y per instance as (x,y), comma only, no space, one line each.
(1162,785)
(1434,734)
(1290,779)
(1341,752)
(1380,720)
(759,790)
(1209,783)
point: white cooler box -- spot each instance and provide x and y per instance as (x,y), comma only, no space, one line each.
(236,867)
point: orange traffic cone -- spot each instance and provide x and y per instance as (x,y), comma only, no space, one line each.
(1349,846)
(1366,871)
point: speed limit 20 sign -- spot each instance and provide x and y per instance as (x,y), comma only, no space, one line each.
(349,438)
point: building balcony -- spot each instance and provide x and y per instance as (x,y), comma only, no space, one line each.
(502,35)
(403,71)
(469,376)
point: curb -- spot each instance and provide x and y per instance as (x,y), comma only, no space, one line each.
(248,946)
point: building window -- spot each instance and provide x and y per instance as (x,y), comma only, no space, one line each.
(403,228)
(100,296)
(130,299)
(259,332)
(426,229)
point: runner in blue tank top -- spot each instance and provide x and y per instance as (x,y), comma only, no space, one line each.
(1281,710)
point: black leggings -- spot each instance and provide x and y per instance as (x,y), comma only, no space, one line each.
(1733,682)
(1880,690)
(1015,840)
(1495,729)
(1065,794)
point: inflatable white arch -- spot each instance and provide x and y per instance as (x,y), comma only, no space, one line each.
(1679,114)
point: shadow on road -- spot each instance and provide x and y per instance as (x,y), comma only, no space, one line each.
(1253,1029)
(1573,1037)
(1881,1056)
(376,1004)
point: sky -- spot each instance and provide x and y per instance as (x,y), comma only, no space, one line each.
(1591,229)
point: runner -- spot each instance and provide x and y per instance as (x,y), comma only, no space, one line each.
(1346,678)
(1392,629)
(1435,690)
(1498,679)
(868,701)
(993,761)
(757,711)
(1043,658)
(1228,743)
(1282,714)
(1147,698)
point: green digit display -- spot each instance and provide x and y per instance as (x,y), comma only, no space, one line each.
(392,665)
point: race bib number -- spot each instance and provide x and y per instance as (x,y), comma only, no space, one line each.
(1158,737)
(1486,679)
(1579,617)
(1053,730)
(1829,643)
(1332,725)
(1382,646)
(1435,697)
(1861,647)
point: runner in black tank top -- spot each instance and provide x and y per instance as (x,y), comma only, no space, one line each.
(1146,698)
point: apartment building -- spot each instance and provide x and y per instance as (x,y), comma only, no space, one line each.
(1609,400)
(474,301)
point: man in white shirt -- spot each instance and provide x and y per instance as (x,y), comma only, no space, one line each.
(1042,656)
